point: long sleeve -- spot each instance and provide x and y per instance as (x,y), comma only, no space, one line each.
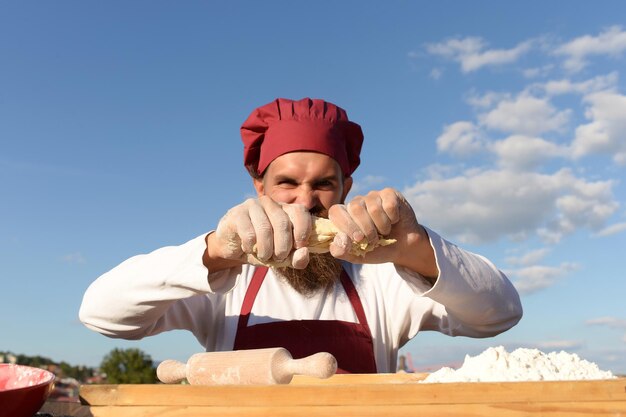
(471,297)
(148,294)
(479,299)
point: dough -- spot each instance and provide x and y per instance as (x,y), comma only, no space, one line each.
(324,232)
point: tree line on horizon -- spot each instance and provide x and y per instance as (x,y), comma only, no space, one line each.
(119,366)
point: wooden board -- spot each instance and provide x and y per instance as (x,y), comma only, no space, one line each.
(359,379)
(449,410)
(362,395)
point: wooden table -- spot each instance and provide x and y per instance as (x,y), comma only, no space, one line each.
(386,395)
(56,408)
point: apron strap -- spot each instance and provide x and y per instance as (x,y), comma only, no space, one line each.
(251,293)
(355,300)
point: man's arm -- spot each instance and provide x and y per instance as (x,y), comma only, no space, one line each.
(478,299)
(140,296)
(151,293)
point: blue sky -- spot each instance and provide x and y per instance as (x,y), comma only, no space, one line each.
(503,123)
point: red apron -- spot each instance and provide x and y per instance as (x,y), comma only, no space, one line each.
(350,343)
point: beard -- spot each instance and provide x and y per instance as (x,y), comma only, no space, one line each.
(321,273)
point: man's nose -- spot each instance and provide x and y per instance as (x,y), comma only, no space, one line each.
(307,197)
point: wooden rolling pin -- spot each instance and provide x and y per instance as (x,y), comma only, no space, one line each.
(246,367)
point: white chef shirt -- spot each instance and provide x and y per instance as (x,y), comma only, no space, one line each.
(169,289)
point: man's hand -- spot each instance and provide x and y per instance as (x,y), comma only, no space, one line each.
(387,213)
(260,230)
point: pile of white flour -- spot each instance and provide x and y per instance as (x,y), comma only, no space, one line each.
(496,364)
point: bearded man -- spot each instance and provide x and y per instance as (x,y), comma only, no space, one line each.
(257,281)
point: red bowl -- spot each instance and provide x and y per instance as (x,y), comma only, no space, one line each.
(23,389)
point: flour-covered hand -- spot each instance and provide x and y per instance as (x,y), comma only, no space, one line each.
(384,213)
(262,231)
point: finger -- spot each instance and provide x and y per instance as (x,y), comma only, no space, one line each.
(340,246)
(262,229)
(281,228)
(358,210)
(391,202)
(243,230)
(374,203)
(301,222)
(300,258)
(338,214)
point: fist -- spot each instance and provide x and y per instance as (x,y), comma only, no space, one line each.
(260,231)
(379,213)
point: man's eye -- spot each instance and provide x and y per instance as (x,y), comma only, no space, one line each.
(286,183)
(325,184)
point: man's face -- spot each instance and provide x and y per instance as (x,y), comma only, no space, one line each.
(315,181)
(308,178)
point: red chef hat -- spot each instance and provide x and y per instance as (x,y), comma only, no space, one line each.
(284,126)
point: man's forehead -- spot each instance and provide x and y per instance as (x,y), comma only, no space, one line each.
(304,164)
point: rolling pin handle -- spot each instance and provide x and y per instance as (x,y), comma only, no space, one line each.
(171,371)
(320,365)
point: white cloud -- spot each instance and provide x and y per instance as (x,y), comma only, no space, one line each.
(559,345)
(531,72)
(531,279)
(525,115)
(486,100)
(606,133)
(478,207)
(612,322)
(611,42)
(366,184)
(439,171)
(523,130)
(74,258)
(471,54)
(566,86)
(611,230)
(486,205)
(519,152)
(436,73)
(537,71)
(460,139)
(495,57)
(529,258)
(457,47)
